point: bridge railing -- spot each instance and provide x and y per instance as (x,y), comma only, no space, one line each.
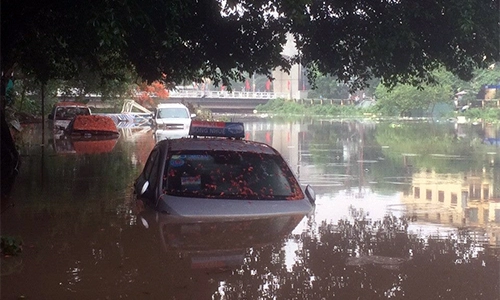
(226,94)
(315,101)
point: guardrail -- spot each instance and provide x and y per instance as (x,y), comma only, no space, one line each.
(327,101)
(226,94)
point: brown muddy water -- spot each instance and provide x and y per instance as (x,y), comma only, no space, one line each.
(404,211)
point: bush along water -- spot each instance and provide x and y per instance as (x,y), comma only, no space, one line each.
(489,115)
(284,107)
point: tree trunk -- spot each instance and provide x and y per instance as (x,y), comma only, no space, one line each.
(9,159)
(9,154)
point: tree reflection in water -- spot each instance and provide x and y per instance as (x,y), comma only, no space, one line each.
(365,259)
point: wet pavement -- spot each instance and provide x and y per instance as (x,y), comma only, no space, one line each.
(405,210)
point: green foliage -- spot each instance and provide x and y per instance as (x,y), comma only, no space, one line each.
(288,107)
(327,87)
(27,91)
(402,98)
(485,114)
(180,39)
(335,110)
(282,107)
(27,95)
(86,82)
(484,77)
(397,41)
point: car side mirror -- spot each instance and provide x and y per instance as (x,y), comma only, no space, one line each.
(144,187)
(51,117)
(144,223)
(193,115)
(311,195)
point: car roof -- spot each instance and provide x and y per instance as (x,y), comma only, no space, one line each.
(216,144)
(94,122)
(166,105)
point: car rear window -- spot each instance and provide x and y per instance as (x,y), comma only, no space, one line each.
(229,175)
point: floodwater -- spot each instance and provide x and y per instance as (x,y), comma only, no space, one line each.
(405,210)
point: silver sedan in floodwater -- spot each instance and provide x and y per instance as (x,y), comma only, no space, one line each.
(220,176)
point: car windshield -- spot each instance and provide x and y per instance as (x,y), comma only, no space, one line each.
(164,113)
(69,113)
(229,175)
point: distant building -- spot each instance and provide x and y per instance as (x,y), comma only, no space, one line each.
(295,84)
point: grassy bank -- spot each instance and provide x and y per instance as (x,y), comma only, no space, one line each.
(283,107)
(288,108)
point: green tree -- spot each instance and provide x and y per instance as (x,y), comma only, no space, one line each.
(488,76)
(194,40)
(180,39)
(329,88)
(402,98)
(397,41)
(482,77)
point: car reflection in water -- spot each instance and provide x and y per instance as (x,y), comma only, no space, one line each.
(166,133)
(80,145)
(217,244)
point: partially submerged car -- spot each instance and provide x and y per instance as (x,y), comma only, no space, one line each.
(93,125)
(173,120)
(64,112)
(215,173)
(87,134)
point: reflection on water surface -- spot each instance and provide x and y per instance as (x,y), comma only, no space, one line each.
(404,211)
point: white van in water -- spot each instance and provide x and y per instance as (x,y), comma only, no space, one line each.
(174,117)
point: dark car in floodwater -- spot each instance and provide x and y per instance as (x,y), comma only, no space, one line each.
(215,173)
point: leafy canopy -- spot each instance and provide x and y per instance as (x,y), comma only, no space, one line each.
(354,41)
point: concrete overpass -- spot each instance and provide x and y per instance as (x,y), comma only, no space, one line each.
(231,105)
(216,101)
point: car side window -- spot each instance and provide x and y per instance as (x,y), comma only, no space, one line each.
(153,175)
(60,113)
(151,165)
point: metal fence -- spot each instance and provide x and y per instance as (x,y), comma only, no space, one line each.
(226,94)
